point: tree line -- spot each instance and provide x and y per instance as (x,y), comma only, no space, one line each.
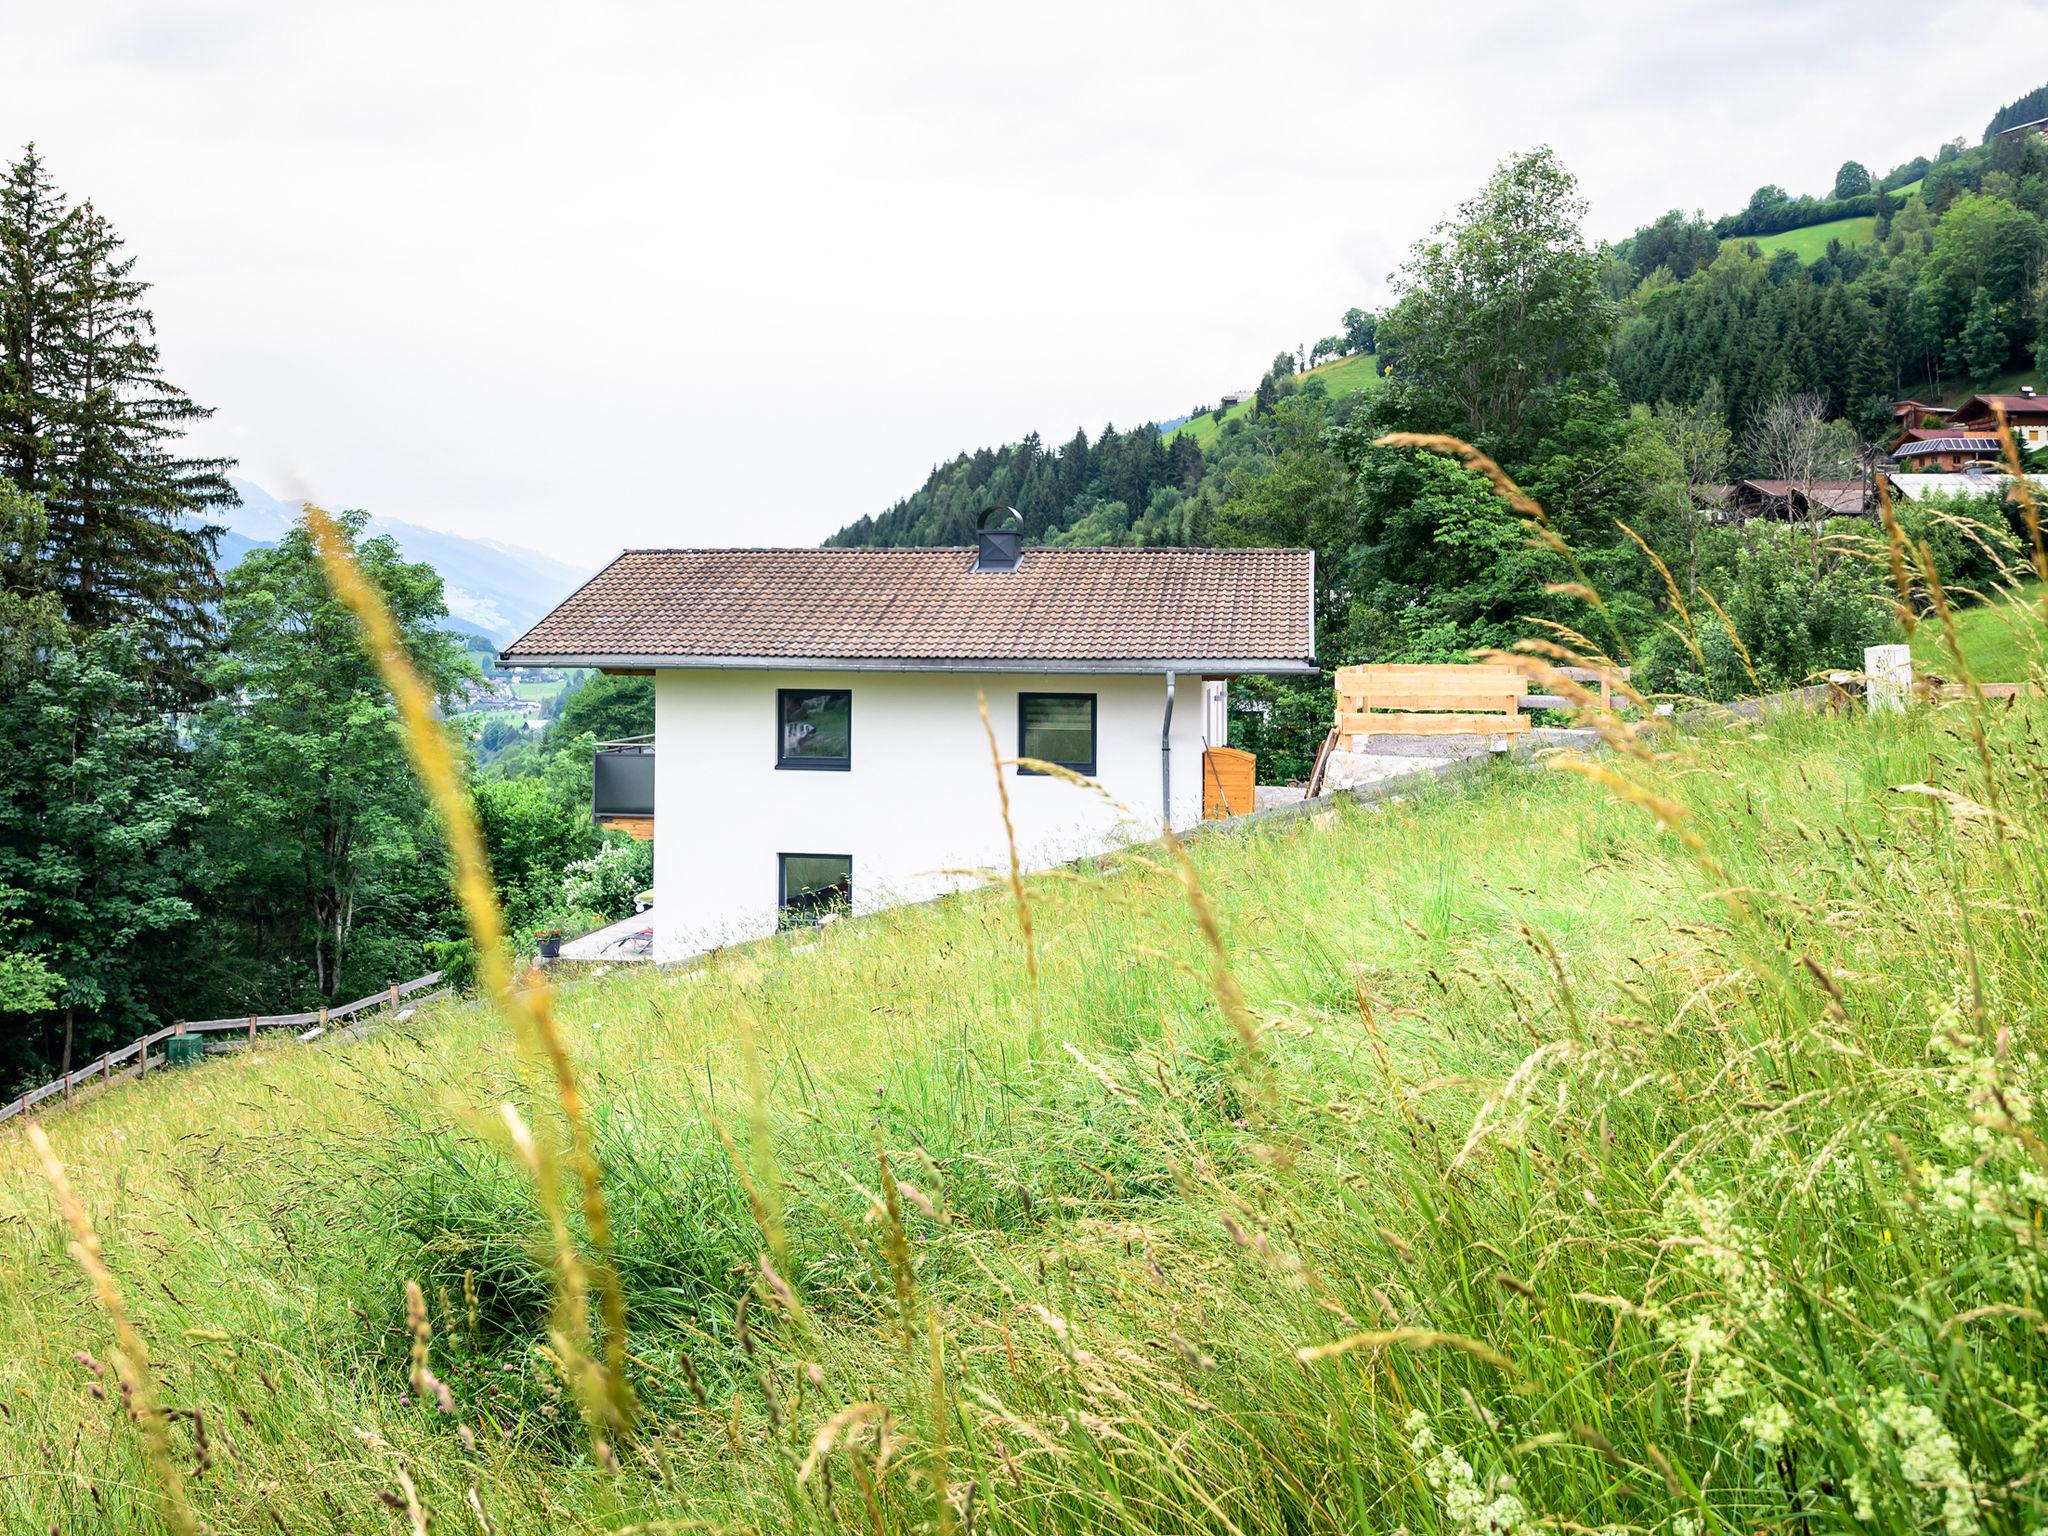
(205,808)
(1950,290)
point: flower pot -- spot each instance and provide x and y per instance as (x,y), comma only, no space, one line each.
(551,949)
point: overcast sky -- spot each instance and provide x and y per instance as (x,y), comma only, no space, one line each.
(586,275)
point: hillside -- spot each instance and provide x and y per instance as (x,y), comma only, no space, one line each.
(1344,376)
(494,590)
(1677,1187)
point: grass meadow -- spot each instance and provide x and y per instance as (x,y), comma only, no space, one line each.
(1811,243)
(1645,1148)
(2002,638)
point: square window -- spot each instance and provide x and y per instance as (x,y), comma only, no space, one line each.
(1057,728)
(814,886)
(814,728)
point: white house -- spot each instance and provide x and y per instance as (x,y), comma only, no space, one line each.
(818,737)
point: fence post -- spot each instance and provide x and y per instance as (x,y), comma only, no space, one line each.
(1888,670)
(394,997)
(252,1031)
(144,1043)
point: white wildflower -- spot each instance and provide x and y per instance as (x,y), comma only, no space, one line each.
(1929,1460)
(1467,1504)
(1770,1423)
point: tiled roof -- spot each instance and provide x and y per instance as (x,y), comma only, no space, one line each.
(1978,408)
(1834,495)
(880,606)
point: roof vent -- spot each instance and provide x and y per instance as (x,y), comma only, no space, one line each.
(996,549)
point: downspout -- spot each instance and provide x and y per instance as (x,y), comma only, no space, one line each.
(1166,762)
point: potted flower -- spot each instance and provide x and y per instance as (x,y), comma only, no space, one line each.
(550,941)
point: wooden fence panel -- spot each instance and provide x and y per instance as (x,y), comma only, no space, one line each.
(103,1066)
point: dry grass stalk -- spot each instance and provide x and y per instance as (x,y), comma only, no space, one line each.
(896,1245)
(1537,524)
(767,1182)
(1611,728)
(131,1358)
(941,1410)
(1734,639)
(1938,595)
(1457,448)
(1689,635)
(1230,997)
(1895,540)
(838,1427)
(1409,1338)
(531,1011)
(425,1384)
(2023,488)
(1017,891)
(571,1328)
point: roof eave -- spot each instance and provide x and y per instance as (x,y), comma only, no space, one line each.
(1051,665)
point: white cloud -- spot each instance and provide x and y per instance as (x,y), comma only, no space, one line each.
(594,275)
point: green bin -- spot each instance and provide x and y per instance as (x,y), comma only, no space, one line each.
(184,1050)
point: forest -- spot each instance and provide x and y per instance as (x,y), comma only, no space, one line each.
(1624,387)
(205,810)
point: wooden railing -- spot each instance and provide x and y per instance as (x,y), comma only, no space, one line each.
(106,1067)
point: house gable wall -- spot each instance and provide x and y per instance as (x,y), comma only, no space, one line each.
(920,797)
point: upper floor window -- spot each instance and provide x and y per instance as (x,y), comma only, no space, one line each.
(814,728)
(1057,728)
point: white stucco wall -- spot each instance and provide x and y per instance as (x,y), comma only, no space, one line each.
(919,798)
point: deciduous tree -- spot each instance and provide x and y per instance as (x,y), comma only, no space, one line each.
(313,800)
(1502,303)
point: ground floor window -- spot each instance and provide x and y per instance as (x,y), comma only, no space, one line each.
(1057,728)
(813,886)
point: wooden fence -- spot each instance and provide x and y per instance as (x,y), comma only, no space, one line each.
(115,1063)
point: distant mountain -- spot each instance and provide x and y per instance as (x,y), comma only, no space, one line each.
(494,590)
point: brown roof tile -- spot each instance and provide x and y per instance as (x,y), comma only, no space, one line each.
(1095,606)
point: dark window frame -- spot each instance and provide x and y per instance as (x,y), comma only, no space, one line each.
(813,764)
(1087,769)
(784,917)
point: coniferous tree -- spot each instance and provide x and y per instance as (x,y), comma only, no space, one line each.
(35,230)
(1869,390)
(95,823)
(89,423)
(127,511)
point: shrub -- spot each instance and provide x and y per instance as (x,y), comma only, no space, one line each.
(1972,538)
(1793,621)
(607,881)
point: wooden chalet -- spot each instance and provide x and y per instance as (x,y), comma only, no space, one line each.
(1916,413)
(2026,413)
(1787,499)
(1947,453)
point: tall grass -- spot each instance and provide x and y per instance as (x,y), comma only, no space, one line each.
(1648,1151)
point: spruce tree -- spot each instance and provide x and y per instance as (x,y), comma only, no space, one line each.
(127,512)
(89,424)
(35,228)
(1869,390)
